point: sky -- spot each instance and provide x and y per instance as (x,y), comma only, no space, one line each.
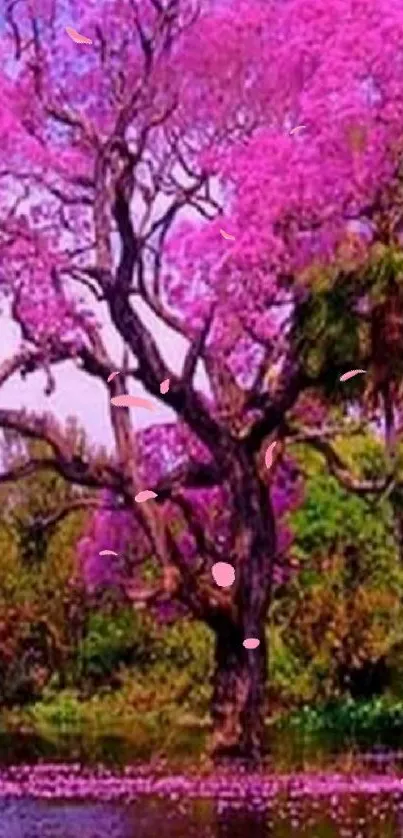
(80,395)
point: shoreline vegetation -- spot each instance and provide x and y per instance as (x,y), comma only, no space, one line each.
(104,729)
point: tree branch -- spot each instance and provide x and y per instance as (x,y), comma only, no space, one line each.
(340,470)
(195,351)
(65,462)
(78,504)
(188,476)
(274,411)
(152,370)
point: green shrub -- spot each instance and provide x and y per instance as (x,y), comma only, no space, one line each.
(112,640)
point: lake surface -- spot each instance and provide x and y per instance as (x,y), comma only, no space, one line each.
(46,801)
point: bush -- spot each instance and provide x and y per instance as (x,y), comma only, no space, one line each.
(347,723)
(113,640)
(30,651)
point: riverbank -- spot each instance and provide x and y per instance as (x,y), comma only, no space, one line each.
(105,729)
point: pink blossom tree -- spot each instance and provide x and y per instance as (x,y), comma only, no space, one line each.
(120,163)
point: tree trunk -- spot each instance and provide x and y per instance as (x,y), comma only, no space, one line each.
(238,704)
(240,677)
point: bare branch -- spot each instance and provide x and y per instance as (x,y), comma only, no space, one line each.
(188,476)
(76,505)
(339,469)
(152,369)
(68,117)
(303,434)
(205,545)
(69,465)
(195,351)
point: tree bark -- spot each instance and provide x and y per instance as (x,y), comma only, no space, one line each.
(240,677)
(239,694)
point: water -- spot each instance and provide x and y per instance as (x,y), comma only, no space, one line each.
(63,801)
(68,787)
(149,818)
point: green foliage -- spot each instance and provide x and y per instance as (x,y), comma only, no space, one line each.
(379,720)
(329,331)
(336,630)
(114,639)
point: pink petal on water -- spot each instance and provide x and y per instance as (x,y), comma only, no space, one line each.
(76,37)
(251,642)
(223,574)
(108,553)
(227,235)
(132,401)
(164,386)
(268,457)
(350,374)
(147,494)
(112,376)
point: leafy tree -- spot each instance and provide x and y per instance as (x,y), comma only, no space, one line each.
(120,163)
(41,595)
(337,624)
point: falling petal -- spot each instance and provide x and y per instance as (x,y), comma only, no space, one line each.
(112,376)
(164,386)
(268,457)
(76,37)
(223,574)
(147,494)
(108,553)
(251,643)
(297,128)
(227,235)
(350,374)
(132,401)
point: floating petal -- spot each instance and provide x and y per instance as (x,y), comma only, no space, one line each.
(251,643)
(223,574)
(268,457)
(132,401)
(350,374)
(112,376)
(297,128)
(147,494)
(227,235)
(76,37)
(108,553)
(164,386)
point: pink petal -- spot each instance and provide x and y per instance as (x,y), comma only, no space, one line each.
(251,643)
(350,374)
(132,401)
(147,494)
(223,574)
(112,376)
(268,457)
(108,553)
(297,128)
(164,386)
(76,37)
(227,235)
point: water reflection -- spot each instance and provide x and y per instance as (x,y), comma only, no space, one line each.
(233,823)
(349,816)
